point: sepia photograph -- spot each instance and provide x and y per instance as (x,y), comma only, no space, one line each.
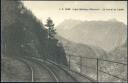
(63,41)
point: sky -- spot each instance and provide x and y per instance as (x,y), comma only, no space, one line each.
(44,9)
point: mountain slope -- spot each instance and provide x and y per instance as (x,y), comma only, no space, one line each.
(77,49)
(67,24)
(104,34)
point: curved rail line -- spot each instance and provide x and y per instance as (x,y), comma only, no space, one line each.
(63,70)
(49,70)
(55,77)
(48,66)
(66,71)
(30,68)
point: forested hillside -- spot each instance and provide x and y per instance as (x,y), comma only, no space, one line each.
(24,35)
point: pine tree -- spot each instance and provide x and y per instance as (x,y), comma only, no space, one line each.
(51,30)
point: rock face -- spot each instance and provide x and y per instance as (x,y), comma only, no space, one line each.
(24,35)
(104,34)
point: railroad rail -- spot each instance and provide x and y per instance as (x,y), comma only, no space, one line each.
(67,69)
(29,67)
(52,74)
(62,67)
(52,64)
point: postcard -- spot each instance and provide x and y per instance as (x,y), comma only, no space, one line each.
(63,41)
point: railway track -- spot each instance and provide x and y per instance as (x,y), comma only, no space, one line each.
(66,78)
(73,74)
(47,71)
(80,77)
(29,67)
(61,74)
(57,80)
(34,72)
